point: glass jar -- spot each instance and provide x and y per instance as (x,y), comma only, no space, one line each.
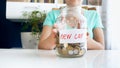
(72,33)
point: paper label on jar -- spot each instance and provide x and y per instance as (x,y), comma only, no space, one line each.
(72,36)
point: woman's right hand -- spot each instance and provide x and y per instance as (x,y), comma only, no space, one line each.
(47,38)
(52,36)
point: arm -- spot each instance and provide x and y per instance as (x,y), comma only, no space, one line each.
(47,38)
(97,43)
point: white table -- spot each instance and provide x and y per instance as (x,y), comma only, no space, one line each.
(31,58)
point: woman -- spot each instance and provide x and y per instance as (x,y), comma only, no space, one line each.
(95,40)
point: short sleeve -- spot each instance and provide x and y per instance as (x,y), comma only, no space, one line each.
(98,21)
(93,21)
(49,19)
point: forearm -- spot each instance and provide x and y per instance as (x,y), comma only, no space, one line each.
(94,45)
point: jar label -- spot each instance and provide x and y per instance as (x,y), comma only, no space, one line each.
(72,35)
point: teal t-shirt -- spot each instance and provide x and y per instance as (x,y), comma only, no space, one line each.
(93,19)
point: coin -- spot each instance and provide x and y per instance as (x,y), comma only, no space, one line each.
(70,52)
(76,51)
(82,51)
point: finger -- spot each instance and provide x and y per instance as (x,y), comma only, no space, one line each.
(87,34)
(55,26)
(55,31)
(79,24)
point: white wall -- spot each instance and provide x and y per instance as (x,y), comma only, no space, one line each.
(14,10)
(113,21)
(106,25)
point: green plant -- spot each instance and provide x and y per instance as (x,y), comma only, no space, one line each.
(34,19)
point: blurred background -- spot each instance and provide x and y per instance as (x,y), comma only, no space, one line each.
(10,25)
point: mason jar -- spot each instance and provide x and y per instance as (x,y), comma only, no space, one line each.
(72,32)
